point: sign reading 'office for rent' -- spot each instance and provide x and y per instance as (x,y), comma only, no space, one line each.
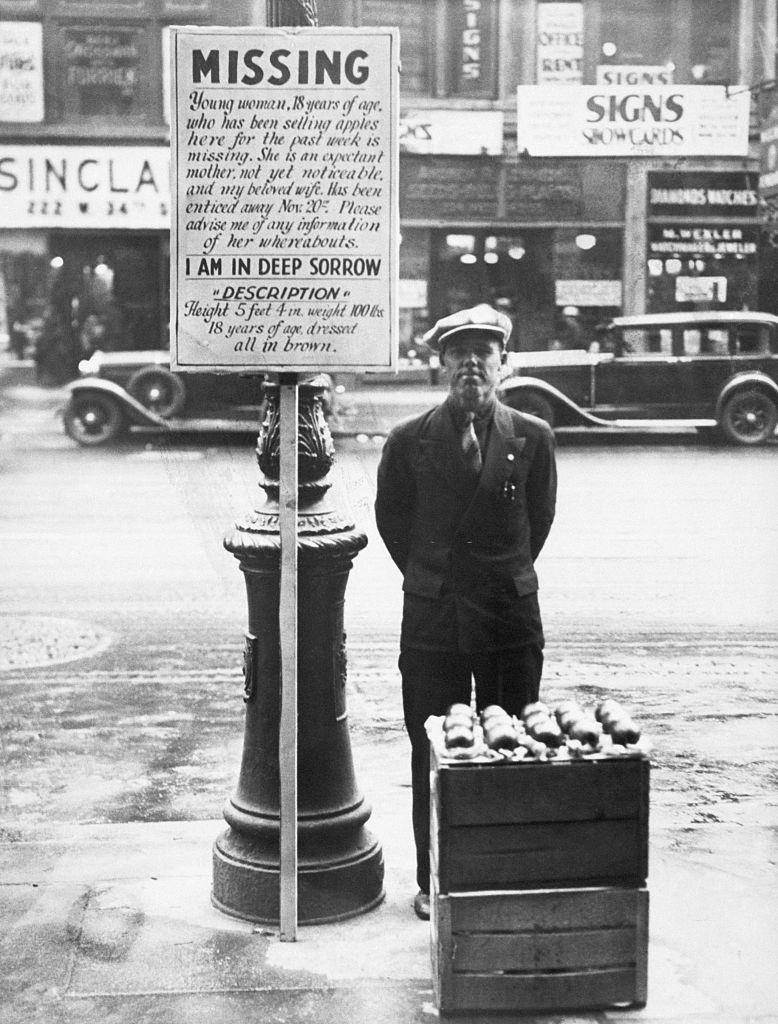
(285,228)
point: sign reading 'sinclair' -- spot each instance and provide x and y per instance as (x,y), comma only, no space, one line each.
(285,227)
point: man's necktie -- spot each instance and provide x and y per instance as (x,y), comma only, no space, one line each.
(471,447)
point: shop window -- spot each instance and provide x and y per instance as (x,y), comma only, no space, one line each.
(21,71)
(103,293)
(511,271)
(559,42)
(103,72)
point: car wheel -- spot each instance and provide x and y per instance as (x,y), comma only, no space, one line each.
(158,390)
(749,417)
(532,402)
(92,420)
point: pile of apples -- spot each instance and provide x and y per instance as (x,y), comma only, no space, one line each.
(540,732)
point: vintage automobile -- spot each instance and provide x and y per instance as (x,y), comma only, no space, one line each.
(117,390)
(717,371)
(120,390)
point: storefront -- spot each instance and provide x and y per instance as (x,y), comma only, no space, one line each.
(84,250)
(702,241)
(531,237)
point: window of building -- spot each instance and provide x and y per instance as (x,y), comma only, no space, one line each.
(21,71)
(416,22)
(712,38)
(637,31)
(559,44)
(467,37)
(103,72)
(656,42)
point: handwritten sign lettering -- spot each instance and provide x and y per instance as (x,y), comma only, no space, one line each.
(285,233)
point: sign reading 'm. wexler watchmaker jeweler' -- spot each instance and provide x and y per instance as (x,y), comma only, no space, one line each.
(285,229)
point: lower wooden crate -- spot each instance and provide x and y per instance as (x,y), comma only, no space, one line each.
(540,949)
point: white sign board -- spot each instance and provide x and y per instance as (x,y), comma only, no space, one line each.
(700,289)
(21,71)
(465,132)
(559,45)
(85,187)
(587,293)
(608,121)
(284,248)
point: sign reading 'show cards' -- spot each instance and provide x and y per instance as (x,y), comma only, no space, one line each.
(284,247)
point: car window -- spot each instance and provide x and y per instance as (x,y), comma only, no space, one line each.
(751,339)
(714,340)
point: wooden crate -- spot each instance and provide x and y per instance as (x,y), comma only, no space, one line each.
(536,950)
(524,825)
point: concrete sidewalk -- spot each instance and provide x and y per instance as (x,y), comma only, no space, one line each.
(113,923)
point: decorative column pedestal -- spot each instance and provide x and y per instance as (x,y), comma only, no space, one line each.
(340,864)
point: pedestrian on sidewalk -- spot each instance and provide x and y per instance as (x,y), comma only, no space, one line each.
(465,500)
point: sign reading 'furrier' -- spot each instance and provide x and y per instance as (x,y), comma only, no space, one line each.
(285,227)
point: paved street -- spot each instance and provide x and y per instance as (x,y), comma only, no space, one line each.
(121,674)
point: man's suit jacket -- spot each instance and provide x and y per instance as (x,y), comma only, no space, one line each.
(446,533)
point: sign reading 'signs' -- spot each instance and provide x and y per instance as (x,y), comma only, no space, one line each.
(285,228)
(599,120)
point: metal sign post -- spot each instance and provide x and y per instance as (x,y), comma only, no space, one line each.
(287,747)
(284,259)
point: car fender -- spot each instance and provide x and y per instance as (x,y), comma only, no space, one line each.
(136,412)
(555,396)
(741,380)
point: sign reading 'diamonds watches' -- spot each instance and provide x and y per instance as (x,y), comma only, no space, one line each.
(285,228)
(632,120)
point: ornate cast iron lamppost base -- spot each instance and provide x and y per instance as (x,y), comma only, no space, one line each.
(340,869)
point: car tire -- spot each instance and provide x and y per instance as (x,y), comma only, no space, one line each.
(532,402)
(93,420)
(158,390)
(749,417)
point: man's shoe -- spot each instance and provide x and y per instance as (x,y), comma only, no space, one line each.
(421,905)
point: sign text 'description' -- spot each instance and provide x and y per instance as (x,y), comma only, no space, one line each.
(285,193)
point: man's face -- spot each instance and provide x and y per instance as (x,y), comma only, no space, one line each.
(473,361)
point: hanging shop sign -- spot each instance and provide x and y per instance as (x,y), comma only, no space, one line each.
(587,293)
(559,45)
(703,194)
(284,251)
(718,240)
(21,71)
(591,120)
(472,30)
(84,187)
(464,132)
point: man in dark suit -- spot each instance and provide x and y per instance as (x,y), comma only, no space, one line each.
(465,501)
